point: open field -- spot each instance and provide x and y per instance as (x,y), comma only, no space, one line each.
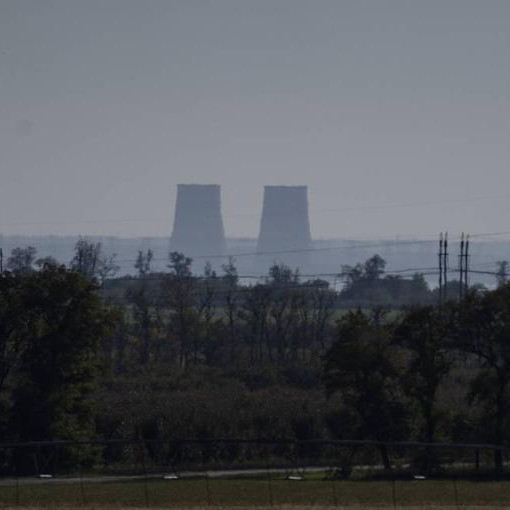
(255,493)
(281,507)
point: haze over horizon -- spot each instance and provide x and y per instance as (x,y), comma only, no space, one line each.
(395,114)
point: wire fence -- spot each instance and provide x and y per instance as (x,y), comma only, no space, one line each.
(252,473)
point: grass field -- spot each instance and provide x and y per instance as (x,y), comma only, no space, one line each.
(195,493)
(281,507)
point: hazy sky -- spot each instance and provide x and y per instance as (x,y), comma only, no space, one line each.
(105,105)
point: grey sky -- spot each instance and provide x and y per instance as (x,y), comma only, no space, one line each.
(105,105)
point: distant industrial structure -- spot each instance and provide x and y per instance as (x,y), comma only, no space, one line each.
(284,236)
(284,227)
(198,224)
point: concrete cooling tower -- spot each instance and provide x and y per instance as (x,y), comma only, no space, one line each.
(198,225)
(284,227)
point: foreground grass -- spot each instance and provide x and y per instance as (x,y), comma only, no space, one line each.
(280,507)
(200,493)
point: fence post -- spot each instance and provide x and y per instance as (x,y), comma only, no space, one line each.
(206,475)
(17,490)
(17,477)
(82,488)
(145,479)
(56,470)
(455,492)
(333,487)
(207,487)
(269,481)
(394,491)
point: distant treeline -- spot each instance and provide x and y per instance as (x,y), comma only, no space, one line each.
(174,356)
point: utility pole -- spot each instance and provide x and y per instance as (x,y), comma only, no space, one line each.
(466,264)
(440,254)
(445,266)
(461,267)
(1,262)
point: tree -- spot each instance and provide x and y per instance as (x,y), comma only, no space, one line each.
(320,301)
(369,271)
(46,261)
(285,298)
(140,296)
(360,367)
(107,267)
(180,265)
(482,329)
(179,294)
(423,333)
(22,259)
(419,283)
(502,272)
(206,313)
(351,275)
(362,279)
(282,275)
(283,314)
(374,268)
(57,370)
(15,323)
(230,281)
(91,262)
(143,262)
(86,258)
(255,311)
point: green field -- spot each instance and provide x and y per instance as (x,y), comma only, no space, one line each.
(255,493)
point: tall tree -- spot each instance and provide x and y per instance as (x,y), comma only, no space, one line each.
(423,335)
(423,332)
(180,296)
(320,300)
(57,371)
(502,272)
(482,329)
(140,295)
(143,262)
(91,262)
(230,280)
(374,267)
(15,323)
(22,260)
(255,312)
(360,367)
(206,316)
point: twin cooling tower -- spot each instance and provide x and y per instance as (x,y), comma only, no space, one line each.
(284,228)
(198,225)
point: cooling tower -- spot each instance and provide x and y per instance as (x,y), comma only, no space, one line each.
(284,227)
(198,225)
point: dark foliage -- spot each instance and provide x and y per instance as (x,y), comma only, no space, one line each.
(176,356)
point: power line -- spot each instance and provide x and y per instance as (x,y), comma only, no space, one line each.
(219,278)
(363,207)
(306,250)
(352,246)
